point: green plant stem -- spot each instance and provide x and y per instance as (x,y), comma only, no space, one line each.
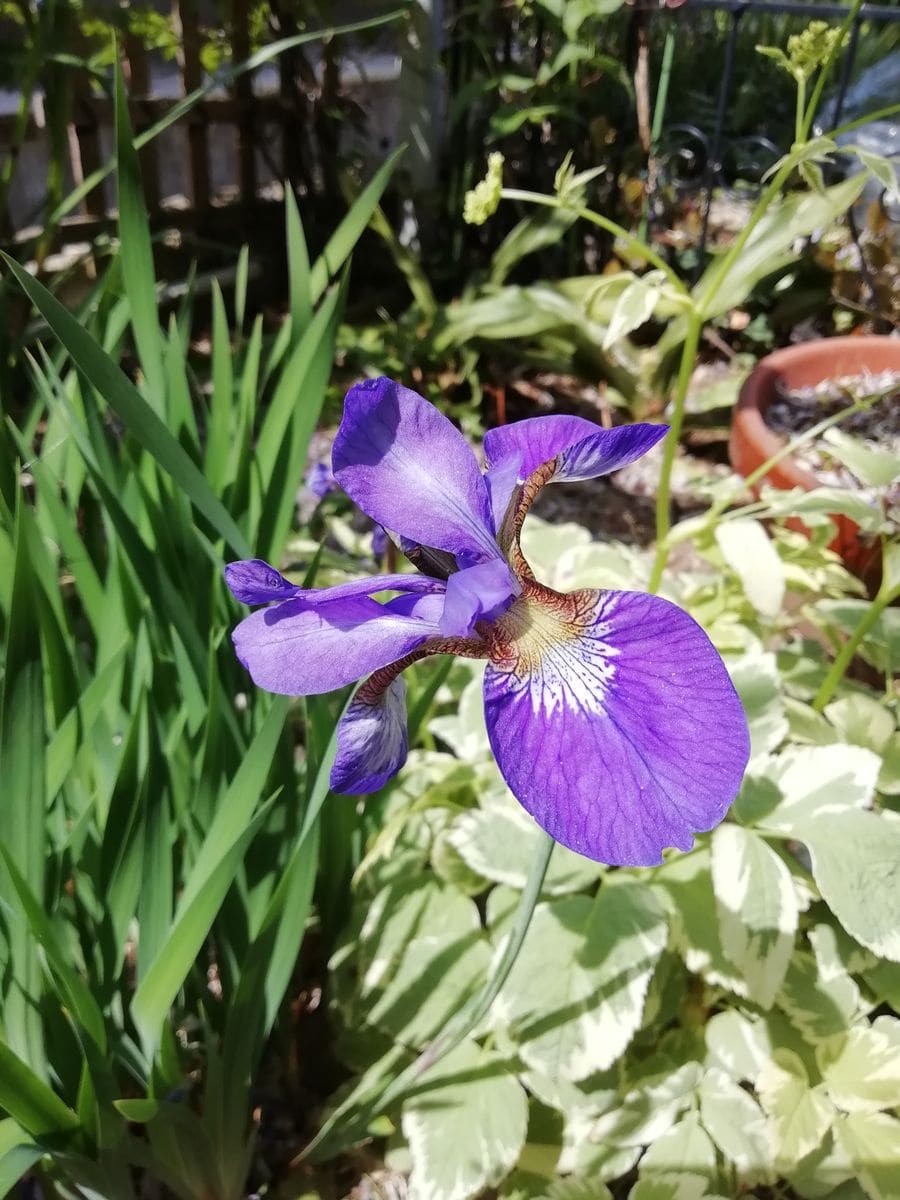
(801,109)
(886,594)
(664,491)
(456,1030)
(825,72)
(634,244)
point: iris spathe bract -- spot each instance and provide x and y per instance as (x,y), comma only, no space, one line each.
(611,715)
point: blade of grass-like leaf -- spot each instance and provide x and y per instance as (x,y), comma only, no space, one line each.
(210,878)
(136,253)
(298,267)
(220,422)
(340,245)
(22,745)
(241,277)
(181,409)
(290,392)
(29,1100)
(77,994)
(18,1154)
(124,398)
(75,727)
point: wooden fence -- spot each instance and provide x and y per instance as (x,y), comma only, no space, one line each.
(231,151)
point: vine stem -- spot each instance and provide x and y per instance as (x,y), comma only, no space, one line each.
(664,491)
(886,594)
(457,1029)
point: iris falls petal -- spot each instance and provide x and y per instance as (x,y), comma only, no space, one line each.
(613,721)
(406,465)
(302,649)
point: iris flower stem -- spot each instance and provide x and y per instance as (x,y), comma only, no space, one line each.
(886,594)
(352,1128)
(664,491)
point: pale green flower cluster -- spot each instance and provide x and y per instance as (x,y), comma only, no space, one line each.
(806,51)
(483,200)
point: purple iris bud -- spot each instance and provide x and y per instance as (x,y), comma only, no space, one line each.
(380,542)
(320,480)
(610,714)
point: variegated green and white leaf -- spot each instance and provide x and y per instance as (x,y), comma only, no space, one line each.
(757,908)
(799,1115)
(872,1143)
(466,1127)
(685,1156)
(861,1069)
(818,1007)
(748,550)
(737,1125)
(574,998)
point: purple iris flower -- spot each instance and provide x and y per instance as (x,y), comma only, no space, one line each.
(611,715)
(320,480)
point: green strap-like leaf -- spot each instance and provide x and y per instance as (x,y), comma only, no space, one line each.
(124,398)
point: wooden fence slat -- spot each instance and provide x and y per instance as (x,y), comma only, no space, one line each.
(243,90)
(184,14)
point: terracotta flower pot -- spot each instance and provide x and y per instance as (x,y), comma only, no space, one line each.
(752,442)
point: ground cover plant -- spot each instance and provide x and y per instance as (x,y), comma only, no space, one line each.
(222,975)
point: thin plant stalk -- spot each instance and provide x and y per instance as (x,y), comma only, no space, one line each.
(460,1026)
(825,73)
(670,447)
(886,594)
(633,243)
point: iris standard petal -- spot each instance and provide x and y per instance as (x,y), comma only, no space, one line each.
(614,722)
(407,466)
(302,649)
(372,740)
(585,450)
(534,441)
(253,581)
(479,593)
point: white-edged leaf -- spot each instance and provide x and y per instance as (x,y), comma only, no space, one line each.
(499,844)
(818,781)
(799,1116)
(819,1008)
(872,1143)
(861,1070)
(650,1109)
(856,865)
(634,307)
(737,1044)
(755,675)
(749,552)
(574,999)
(877,468)
(737,1125)
(757,908)
(684,1156)
(466,1125)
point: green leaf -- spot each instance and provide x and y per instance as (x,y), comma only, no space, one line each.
(421,956)
(737,1044)
(499,841)
(856,864)
(22,813)
(799,1116)
(465,1127)
(18,1154)
(340,245)
(877,468)
(575,996)
(634,308)
(757,908)
(861,1069)
(136,253)
(861,721)
(29,1101)
(298,268)
(758,683)
(736,1124)
(811,782)
(685,1157)
(819,1006)
(233,827)
(770,245)
(872,1142)
(122,396)
(748,550)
